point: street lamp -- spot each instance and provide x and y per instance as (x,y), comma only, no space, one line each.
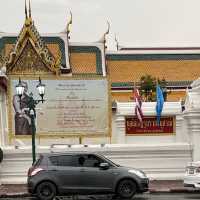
(31,108)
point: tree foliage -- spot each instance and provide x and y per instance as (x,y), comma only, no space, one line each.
(148,87)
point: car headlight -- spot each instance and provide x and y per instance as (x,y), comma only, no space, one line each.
(138,173)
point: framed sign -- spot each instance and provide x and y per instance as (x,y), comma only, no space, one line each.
(72,108)
(149,126)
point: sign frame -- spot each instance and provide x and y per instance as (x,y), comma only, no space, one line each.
(153,133)
(57,135)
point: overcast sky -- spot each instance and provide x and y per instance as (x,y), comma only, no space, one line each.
(137,23)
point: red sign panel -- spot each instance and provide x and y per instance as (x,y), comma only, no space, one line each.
(149,125)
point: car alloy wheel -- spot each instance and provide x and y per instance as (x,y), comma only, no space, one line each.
(46,191)
(126,189)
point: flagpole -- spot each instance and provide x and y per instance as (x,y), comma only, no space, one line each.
(138,104)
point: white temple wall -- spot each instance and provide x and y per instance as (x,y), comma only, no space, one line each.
(191,117)
(170,109)
(161,157)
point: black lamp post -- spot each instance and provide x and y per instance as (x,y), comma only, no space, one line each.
(31,108)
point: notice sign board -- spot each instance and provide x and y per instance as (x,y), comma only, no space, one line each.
(71,107)
(149,126)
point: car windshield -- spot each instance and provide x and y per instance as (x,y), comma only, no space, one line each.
(117,165)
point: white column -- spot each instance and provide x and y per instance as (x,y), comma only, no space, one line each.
(193,119)
(120,129)
(181,134)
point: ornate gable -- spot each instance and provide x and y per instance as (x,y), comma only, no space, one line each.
(30,54)
(28,61)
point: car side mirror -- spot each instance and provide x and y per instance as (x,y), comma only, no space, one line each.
(104,166)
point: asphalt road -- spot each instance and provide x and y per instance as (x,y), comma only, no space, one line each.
(157,196)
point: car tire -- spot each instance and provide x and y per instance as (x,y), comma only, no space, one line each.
(46,191)
(126,189)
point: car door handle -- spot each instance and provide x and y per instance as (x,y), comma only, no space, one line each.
(82,170)
(54,170)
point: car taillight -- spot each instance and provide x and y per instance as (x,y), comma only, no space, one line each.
(34,171)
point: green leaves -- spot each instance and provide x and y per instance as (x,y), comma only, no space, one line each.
(148,87)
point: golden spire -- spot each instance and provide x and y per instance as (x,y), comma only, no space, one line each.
(117,43)
(103,38)
(26,10)
(106,33)
(29,10)
(28,20)
(68,25)
(108,29)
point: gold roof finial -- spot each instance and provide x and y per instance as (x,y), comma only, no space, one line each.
(29,10)
(117,43)
(103,38)
(28,20)
(26,10)
(68,25)
(106,33)
(108,29)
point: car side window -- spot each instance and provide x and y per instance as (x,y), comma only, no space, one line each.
(63,160)
(78,160)
(89,160)
(83,160)
(54,160)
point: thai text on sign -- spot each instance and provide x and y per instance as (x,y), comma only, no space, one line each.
(149,125)
(72,107)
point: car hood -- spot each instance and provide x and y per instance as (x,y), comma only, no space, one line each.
(129,168)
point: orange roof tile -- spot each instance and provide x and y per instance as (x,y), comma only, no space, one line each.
(127,96)
(8,49)
(176,95)
(171,70)
(83,62)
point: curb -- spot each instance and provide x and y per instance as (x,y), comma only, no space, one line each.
(14,195)
(175,190)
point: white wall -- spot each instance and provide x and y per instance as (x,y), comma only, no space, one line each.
(161,162)
(169,109)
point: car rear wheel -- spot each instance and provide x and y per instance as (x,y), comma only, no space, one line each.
(126,189)
(46,191)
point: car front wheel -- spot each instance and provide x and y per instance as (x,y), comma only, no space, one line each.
(126,189)
(46,191)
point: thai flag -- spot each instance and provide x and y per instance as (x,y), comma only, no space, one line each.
(138,105)
(159,104)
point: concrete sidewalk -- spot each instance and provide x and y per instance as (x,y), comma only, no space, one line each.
(154,187)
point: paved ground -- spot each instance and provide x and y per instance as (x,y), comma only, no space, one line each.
(158,196)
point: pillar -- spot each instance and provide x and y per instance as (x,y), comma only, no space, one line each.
(192,118)
(120,129)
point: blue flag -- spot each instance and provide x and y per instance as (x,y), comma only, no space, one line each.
(160,102)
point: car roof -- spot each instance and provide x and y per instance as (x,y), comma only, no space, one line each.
(68,153)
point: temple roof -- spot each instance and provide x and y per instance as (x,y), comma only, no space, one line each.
(178,69)
(85,58)
(128,96)
(30,51)
(156,48)
(179,66)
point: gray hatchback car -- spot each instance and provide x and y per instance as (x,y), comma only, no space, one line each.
(83,173)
